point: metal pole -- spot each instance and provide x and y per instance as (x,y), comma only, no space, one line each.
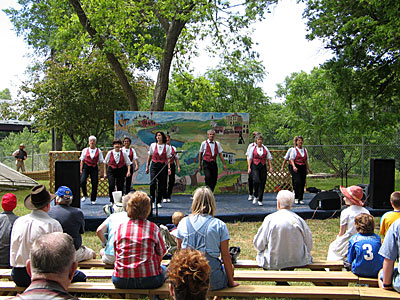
(362,159)
(33,155)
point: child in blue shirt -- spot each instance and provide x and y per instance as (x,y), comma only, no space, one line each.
(364,247)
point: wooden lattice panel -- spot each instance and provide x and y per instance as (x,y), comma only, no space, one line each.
(278,180)
(38,175)
(102,190)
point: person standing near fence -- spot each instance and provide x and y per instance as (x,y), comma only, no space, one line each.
(90,157)
(134,160)
(20,155)
(299,162)
(209,150)
(257,167)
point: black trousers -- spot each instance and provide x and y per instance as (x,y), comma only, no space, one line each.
(210,174)
(160,182)
(299,180)
(116,178)
(259,175)
(171,182)
(251,184)
(128,181)
(93,172)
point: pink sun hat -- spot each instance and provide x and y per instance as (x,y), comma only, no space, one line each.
(353,193)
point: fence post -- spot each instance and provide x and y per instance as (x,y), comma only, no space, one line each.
(362,159)
(33,155)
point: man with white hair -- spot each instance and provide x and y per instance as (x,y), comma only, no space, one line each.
(72,221)
(284,240)
(51,266)
(90,157)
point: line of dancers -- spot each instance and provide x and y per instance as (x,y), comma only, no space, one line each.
(163,163)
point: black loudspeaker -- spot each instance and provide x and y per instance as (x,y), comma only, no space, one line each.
(67,173)
(329,200)
(381,182)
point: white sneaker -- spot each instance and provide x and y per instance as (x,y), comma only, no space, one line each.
(168,200)
(250,197)
(255,200)
(159,205)
(296,201)
(93,202)
(260,203)
(83,199)
(154,205)
(164,200)
(301,202)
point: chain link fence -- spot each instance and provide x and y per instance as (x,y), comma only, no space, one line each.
(34,162)
(347,160)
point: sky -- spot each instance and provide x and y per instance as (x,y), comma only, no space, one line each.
(280,37)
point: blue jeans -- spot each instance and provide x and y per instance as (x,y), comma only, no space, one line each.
(151,282)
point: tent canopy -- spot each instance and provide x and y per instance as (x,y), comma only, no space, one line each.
(11,178)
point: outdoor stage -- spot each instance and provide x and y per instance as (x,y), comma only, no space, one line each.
(230,208)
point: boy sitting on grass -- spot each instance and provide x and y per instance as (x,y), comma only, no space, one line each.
(364,246)
(391,216)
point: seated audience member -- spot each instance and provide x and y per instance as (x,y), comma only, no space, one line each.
(284,240)
(353,199)
(7,219)
(106,232)
(27,229)
(189,275)
(139,248)
(391,216)
(363,248)
(51,266)
(72,221)
(202,231)
(169,231)
(389,275)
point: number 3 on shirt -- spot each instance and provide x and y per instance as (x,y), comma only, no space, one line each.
(368,249)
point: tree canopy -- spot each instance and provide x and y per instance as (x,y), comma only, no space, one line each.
(147,33)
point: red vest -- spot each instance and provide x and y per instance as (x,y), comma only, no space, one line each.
(130,154)
(173,152)
(257,159)
(89,161)
(162,158)
(300,160)
(112,162)
(208,155)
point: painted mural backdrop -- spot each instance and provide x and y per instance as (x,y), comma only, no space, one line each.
(187,131)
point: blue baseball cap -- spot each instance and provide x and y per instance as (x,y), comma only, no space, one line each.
(64,191)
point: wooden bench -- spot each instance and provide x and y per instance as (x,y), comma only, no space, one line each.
(318,265)
(333,278)
(248,291)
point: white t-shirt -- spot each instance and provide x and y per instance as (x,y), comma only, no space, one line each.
(348,215)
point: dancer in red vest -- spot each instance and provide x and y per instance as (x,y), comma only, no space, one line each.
(171,178)
(250,179)
(134,160)
(299,167)
(160,169)
(209,150)
(257,167)
(118,168)
(90,157)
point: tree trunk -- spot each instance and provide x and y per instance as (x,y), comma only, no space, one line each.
(112,59)
(160,91)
